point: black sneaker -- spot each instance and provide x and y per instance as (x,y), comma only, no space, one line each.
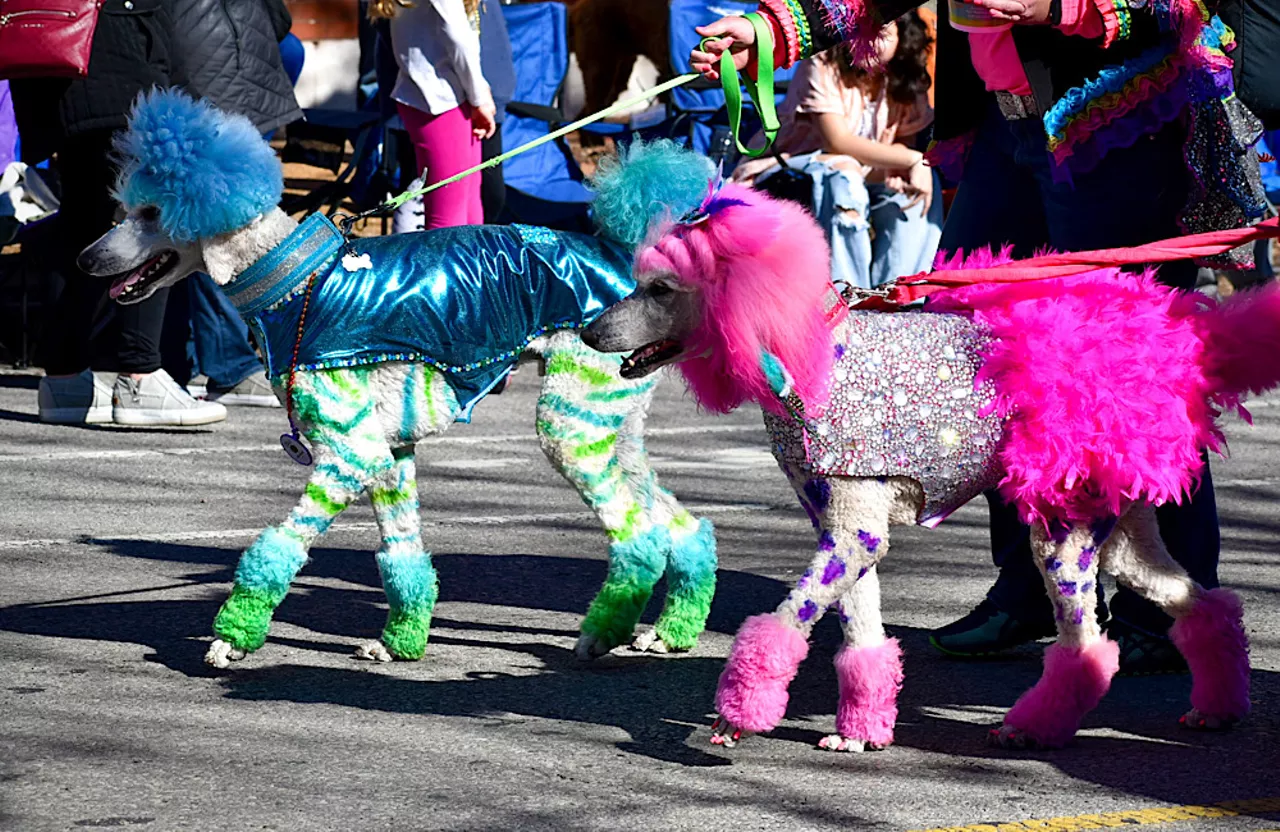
(1143,653)
(985,631)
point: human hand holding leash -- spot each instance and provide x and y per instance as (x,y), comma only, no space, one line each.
(734,34)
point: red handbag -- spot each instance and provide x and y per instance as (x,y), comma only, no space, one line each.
(46,38)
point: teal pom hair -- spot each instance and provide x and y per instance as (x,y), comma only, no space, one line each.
(647,181)
(208,172)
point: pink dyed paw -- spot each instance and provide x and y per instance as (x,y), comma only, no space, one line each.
(724,732)
(752,692)
(1018,739)
(1196,721)
(835,742)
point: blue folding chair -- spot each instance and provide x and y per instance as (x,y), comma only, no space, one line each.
(544,185)
(699,115)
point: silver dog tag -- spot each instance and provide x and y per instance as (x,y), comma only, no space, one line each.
(292,444)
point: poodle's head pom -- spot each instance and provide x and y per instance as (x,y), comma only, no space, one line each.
(644,183)
(761,269)
(208,172)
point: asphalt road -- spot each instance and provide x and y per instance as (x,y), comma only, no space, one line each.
(116,548)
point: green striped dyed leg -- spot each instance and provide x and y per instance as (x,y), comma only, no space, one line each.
(408,577)
(336,411)
(583,406)
(691,556)
(691,584)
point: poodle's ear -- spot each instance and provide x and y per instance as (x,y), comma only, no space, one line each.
(226,255)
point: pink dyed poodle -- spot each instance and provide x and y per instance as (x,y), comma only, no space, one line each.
(1088,401)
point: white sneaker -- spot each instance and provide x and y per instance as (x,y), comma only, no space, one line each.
(81,400)
(156,399)
(255,391)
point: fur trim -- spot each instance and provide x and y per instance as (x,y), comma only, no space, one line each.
(761,267)
(409,580)
(1103,375)
(644,183)
(855,22)
(870,679)
(1073,683)
(1212,639)
(209,172)
(752,693)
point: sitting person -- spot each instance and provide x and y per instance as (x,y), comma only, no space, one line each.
(852,128)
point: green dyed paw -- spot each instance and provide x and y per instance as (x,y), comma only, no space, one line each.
(244,618)
(405,635)
(613,615)
(685,616)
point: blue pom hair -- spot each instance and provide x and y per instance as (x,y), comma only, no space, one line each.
(208,172)
(647,181)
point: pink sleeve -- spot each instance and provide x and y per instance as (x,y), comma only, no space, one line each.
(1081,17)
(995,57)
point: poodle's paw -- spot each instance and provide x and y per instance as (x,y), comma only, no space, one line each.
(650,642)
(374,651)
(724,732)
(1197,721)
(221,654)
(1007,736)
(591,647)
(835,742)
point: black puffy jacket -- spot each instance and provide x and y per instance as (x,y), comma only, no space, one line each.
(131,53)
(228,51)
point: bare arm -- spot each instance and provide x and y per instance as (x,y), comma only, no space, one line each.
(837,138)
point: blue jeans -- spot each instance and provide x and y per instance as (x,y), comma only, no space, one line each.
(1008,196)
(874,237)
(205,334)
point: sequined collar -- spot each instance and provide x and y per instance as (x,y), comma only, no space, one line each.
(284,270)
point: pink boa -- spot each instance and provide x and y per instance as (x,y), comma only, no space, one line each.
(1113,383)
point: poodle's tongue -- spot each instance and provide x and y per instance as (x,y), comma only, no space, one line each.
(649,357)
(125,284)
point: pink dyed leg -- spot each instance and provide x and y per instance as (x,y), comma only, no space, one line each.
(1212,638)
(1074,681)
(870,679)
(752,694)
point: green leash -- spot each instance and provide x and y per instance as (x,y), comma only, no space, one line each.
(761,92)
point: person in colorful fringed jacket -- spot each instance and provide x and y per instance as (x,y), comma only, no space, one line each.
(1074,125)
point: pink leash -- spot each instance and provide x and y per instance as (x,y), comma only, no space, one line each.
(907,289)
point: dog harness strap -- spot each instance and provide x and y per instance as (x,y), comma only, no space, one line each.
(285,268)
(761,91)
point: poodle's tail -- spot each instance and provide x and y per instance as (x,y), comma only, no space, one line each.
(1242,342)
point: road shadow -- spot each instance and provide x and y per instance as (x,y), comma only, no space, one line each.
(663,705)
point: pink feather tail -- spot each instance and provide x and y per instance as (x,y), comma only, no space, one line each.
(1242,342)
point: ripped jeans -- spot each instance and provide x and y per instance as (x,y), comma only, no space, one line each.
(874,238)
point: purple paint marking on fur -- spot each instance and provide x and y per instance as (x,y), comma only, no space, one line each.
(1058,531)
(826,543)
(804,579)
(1067,588)
(819,493)
(1053,564)
(839,351)
(1058,613)
(869,540)
(1086,587)
(808,611)
(1078,617)
(864,570)
(1086,558)
(835,570)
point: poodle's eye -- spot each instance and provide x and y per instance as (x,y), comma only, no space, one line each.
(149,213)
(657,290)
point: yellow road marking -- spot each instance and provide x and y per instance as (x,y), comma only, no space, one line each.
(1125,818)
